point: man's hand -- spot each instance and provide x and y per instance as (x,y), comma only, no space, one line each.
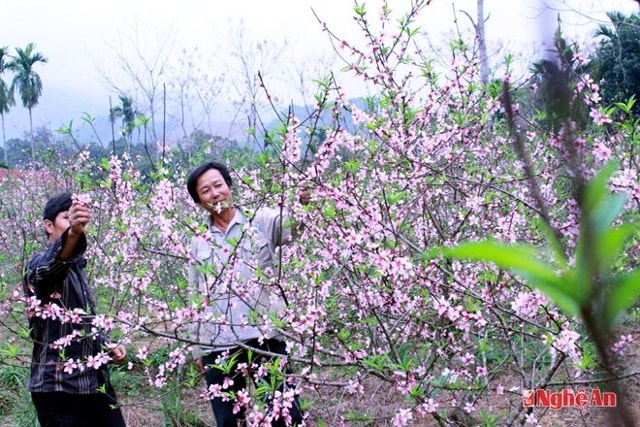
(118,354)
(79,217)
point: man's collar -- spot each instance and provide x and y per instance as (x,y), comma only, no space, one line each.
(238,218)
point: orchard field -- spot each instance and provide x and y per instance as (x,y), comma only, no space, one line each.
(466,241)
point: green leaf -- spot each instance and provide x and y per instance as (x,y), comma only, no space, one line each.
(376,361)
(393,198)
(88,118)
(520,257)
(352,165)
(329,210)
(522,261)
(625,291)
(66,130)
(597,190)
(10,350)
(556,248)
(628,106)
(25,333)
(603,215)
(609,244)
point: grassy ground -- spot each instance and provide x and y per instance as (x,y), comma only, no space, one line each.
(179,405)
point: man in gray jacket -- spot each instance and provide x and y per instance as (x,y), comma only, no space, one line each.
(232,267)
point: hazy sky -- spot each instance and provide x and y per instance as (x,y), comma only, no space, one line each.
(78,36)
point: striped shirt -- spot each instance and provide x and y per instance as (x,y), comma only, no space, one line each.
(62,285)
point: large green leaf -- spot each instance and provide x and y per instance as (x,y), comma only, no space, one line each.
(598,243)
(603,215)
(523,261)
(597,189)
(624,292)
(609,245)
(556,248)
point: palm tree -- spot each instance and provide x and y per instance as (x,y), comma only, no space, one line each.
(557,76)
(6,98)
(27,82)
(616,60)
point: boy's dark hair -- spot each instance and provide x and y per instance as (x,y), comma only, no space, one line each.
(59,203)
(192,181)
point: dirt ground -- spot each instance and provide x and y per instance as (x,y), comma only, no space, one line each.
(599,417)
(382,403)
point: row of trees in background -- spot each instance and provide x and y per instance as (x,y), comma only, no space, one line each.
(28,84)
(615,63)
(26,81)
(147,157)
(162,88)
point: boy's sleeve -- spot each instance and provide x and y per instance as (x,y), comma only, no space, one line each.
(45,271)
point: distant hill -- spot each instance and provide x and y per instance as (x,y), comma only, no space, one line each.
(57,109)
(102,128)
(302,112)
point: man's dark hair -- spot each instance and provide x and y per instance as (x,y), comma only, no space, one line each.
(59,203)
(192,181)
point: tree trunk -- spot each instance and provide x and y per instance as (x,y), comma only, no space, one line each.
(4,144)
(113,132)
(33,142)
(480,34)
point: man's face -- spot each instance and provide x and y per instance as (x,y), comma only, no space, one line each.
(58,226)
(213,191)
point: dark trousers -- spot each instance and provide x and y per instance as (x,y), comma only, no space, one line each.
(223,410)
(58,409)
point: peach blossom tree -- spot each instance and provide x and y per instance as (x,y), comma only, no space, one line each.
(383,329)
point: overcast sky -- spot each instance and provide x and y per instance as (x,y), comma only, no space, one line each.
(78,36)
